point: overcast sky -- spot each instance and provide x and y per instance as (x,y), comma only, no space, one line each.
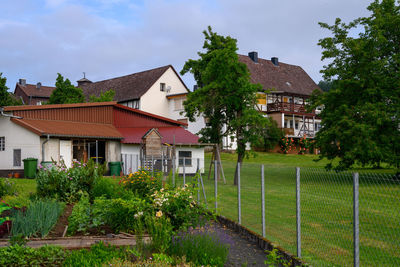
(111,38)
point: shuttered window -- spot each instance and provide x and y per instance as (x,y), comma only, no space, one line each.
(17,157)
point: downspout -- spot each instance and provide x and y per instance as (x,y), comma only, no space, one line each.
(47,140)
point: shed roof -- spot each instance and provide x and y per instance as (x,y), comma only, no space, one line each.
(284,77)
(134,135)
(69,128)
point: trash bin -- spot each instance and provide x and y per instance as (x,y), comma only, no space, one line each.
(30,166)
(115,168)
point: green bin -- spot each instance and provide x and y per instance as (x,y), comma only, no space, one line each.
(115,168)
(30,166)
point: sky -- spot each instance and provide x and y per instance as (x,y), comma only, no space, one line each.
(112,38)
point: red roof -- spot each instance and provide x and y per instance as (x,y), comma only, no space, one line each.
(69,128)
(134,135)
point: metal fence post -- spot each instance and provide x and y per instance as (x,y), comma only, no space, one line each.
(152,165)
(198,180)
(239,199)
(184,174)
(215,184)
(356,224)
(262,201)
(137,162)
(298,213)
(173,171)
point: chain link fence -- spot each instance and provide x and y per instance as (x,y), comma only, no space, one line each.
(325,212)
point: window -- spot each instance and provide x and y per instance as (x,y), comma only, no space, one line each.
(17,157)
(291,124)
(162,87)
(317,127)
(261,99)
(2,143)
(296,125)
(39,103)
(178,103)
(187,155)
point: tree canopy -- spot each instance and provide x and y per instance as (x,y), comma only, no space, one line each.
(225,96)
(65,92)
(6,98)
(103,97)
(361,119)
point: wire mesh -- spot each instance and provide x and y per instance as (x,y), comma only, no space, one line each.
(379,219)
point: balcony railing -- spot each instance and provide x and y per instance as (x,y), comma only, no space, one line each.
(290,107)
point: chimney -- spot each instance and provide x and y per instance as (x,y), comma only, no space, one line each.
(275,61)
(254,56)
(22,82)
(38,85)
(195,87)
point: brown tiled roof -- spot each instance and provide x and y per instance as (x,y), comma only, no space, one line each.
(127,87)
(285,77)
(69,128)
(31,90)
(55,106)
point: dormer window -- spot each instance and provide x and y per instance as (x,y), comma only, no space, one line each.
(163,87)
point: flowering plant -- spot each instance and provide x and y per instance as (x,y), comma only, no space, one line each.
(142,183)
(304,144)
(287,144)
(178,205)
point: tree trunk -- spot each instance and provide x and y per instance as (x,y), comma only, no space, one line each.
(241,149)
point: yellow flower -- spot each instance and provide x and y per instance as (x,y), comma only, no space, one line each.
(159,213)
(130,175)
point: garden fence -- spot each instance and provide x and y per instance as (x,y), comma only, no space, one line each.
(327,218)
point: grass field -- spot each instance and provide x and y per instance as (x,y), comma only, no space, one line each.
(326,204)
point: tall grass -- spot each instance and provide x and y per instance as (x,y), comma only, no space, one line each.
(38,219)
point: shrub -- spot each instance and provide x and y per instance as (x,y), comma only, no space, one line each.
(106,187)
(287,144)
(37,220)
(121,214)
(17,255)
(65,184)
(7,187)
(202,249)
(160,229)
(97,255)
(81,219)
(142,183)
(178,205)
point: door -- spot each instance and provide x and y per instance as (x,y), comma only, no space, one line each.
(66,152)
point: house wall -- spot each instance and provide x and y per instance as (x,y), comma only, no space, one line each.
(197,153)
(113,151)
(17,137)
(155,101)
(130,149)
(51,149)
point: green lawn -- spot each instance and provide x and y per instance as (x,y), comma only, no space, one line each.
(326,204)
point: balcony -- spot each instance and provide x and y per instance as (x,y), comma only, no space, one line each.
(289,107)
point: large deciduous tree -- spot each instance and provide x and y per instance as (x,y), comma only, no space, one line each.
(6,98)
(65,92)
(361,115)
(226,97)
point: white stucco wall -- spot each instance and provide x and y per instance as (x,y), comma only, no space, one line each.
(17,137)
(51,149)
(155,101)
(113,151)
(197,153)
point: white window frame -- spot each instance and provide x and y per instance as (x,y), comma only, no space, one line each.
(188,159)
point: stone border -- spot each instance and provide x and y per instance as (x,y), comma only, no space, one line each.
(261,242)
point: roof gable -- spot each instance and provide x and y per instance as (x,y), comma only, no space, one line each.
(128,87)
(285,78)
(32,91)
